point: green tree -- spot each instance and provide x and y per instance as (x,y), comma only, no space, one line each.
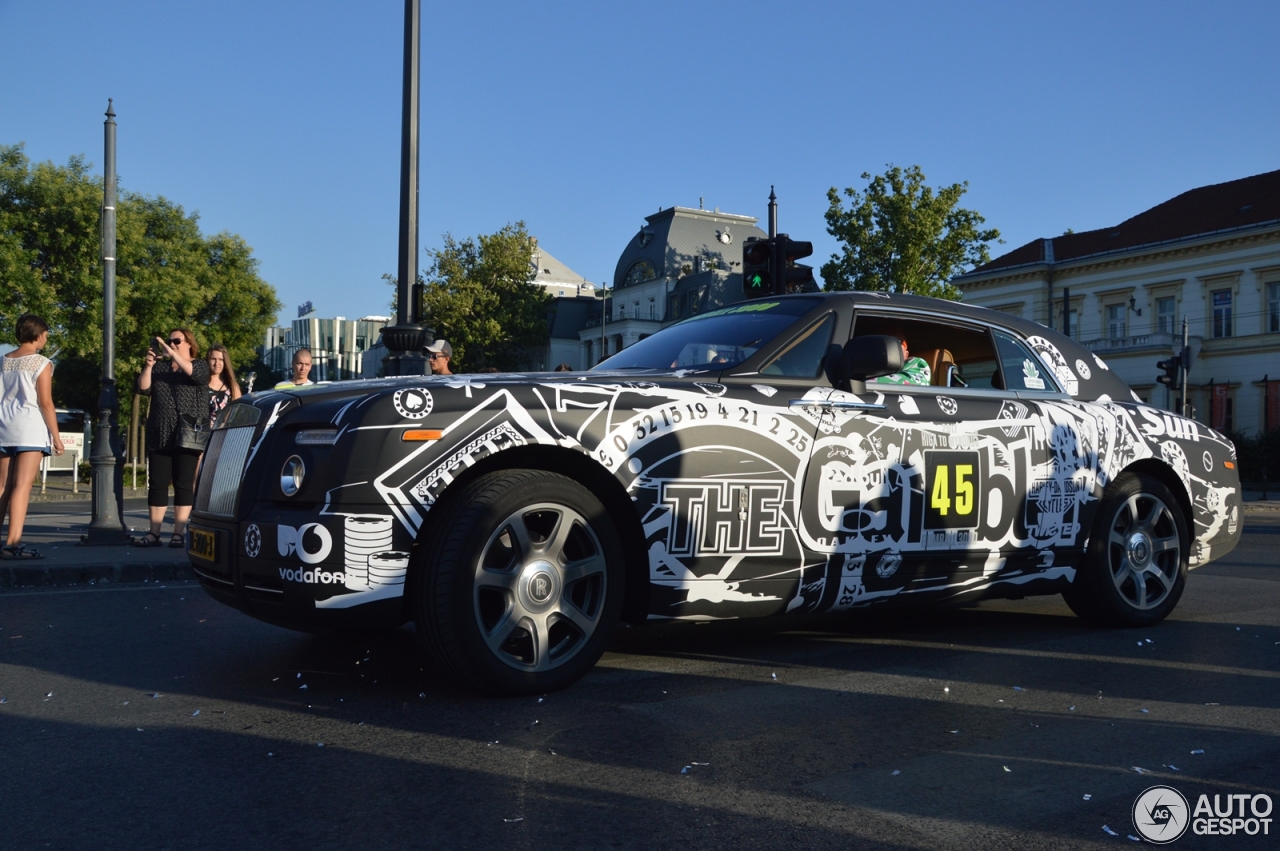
(168,274)
(478,296)
(901,236)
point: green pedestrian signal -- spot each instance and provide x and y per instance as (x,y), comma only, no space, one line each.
(757,268)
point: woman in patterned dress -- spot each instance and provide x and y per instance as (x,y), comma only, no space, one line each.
(223,387)
(178,390)
(28,427)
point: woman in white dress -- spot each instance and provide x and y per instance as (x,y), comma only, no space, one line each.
(28,427)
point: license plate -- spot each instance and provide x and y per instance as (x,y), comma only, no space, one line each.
(202,544)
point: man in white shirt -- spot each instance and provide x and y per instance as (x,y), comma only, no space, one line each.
(302,367)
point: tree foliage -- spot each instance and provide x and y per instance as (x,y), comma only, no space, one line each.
(168,274)
(478,296)
(901,236)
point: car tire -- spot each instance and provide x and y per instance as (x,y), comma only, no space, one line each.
(522,585)
(1135,563)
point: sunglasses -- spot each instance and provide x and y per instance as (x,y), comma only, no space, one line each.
(434,355)
(177,341)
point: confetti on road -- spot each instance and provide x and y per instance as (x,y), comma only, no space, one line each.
(552,752)
(139,729)
(946,689)
(543,698)
(1071,709)
(1198,750)
(49,694)
(1145,711)
(154,695)
(896,772)
(686,769)
(514,820)
(1007,769)
(1174,768)
(1017,688)
(301,687)
(1088,797)
(1109,830)
(194,714)
(1139,770)
(773,676)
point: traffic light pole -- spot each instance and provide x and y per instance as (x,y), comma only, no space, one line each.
(773,215)
(1186,374)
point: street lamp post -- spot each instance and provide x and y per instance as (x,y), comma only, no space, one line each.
(107,524)
(407,339)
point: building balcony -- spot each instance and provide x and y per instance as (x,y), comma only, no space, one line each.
(1158,341)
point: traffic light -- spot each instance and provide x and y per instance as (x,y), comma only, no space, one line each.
(793,277)
(757,267)
(1175,369)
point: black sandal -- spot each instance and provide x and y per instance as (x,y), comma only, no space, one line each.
(20,551)
(150,539)
(177,540)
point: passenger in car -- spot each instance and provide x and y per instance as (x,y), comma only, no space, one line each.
(915,371)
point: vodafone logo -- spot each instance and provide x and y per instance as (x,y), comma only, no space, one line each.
(311,541)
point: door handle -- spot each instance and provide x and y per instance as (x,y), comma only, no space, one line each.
(836,404)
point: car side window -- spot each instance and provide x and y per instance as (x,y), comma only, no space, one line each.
(803,358)
(1022,370)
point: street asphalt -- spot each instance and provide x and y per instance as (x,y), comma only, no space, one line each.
(146,715)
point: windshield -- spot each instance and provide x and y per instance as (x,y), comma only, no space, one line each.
(718,340)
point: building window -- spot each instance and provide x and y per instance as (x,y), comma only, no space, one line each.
(1166,314)
(1273,308)
(653,308)
(1221,314)
(640,271)
(673,307)
(1116,321)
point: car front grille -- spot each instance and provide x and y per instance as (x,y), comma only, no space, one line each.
(223,470)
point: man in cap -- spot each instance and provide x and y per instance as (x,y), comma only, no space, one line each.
(439,353)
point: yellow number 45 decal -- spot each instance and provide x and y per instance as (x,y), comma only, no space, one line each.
(953,489)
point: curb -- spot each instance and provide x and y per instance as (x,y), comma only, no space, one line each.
(102,573)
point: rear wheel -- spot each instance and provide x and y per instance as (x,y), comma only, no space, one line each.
(523,585)
(1135,566)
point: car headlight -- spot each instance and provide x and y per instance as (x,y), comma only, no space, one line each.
(291,475)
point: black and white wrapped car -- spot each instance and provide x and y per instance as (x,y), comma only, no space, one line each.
(741,463)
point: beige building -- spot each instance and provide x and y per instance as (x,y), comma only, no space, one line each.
(1210,256)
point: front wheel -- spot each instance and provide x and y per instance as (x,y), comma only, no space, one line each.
(1135,566)
(523,585)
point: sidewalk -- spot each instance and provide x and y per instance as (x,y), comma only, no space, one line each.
(58,488)
(54,528)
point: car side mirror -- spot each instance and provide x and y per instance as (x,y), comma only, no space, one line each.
(870,357)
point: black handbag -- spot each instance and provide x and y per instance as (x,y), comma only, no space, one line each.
(193,434)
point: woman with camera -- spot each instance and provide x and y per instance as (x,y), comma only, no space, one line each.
(177,426)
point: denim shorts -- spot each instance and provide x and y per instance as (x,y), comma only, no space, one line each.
(12,451)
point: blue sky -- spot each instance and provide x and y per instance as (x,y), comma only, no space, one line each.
(279,121)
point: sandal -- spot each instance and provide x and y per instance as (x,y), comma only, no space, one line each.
(177,540)
(20,551)
(150,539)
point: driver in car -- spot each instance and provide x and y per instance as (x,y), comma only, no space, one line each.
(915,371)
